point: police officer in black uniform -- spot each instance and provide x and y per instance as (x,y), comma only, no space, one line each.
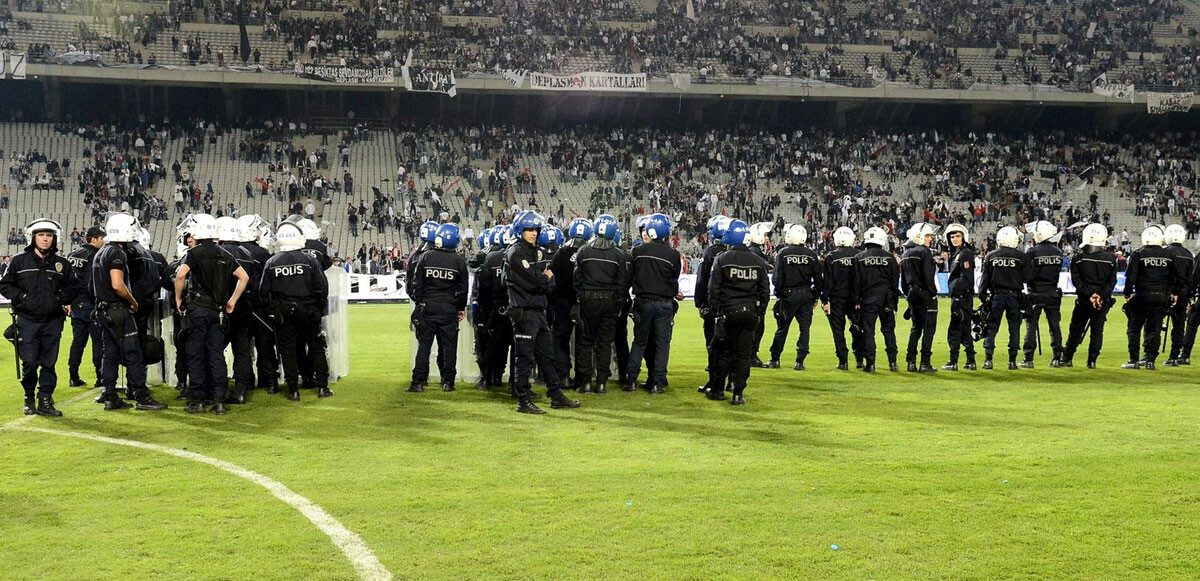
(205,278)
(564,300)
(837,298)
(621,335)
(493,308)
(41,285)
(82,328)
(241,320)
(655,271)
(1005,272)
(919,283)
(1153,282)
(439,294)
(961,281)
(875,294)
(1045,260)
(314,247)
(115,307)
(738,292)
(255,231)
(294,284)
(1094,274)
(1177,313)
(529,281)
(475,269)
(601,278)
(1192,294)
(758,242)
(798,281)
(425,233)
(716,229)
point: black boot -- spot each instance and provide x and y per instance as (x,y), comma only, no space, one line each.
(926,367)
(46,407)
(76,381)
(560,401)
(738,399)
(30,406)
(483,384)
(841,366)
(416,387)
(773,364)
(526,406)
(447,386)
(272,388)
(326,392)
(195,407)
(714,394)
(218,408)
(892,366)
(912,366)
(293,393)
(148,404)
(987,363)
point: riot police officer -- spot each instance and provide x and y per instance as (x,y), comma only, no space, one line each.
(919,282)
(716,229)
(961,282)
(655,272)
(1152,285)
(475,269)
(621,336)
(874,291)
(1177,313)
(493,306)
(601,279)
(313,246)
(528,280)
(564,301)
(256,241)
(798,280)
(294,284)
(82,328)
(1094,274)
(550,239)
(1191,293)
(1045,260)
(42,286)
(837,298)
(439,295)
(241,320)
(1005,272)
(757,244)
(115,307)
(425,233)
(738,293)
(205,277)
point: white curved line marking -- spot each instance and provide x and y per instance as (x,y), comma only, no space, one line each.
(351,545)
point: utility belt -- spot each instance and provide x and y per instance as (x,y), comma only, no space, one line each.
(596,296)
(1005,292)
(106,305)
(203,301)
(643,300)
(740,308)
(788,292)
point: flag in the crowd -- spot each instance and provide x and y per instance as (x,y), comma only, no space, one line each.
(515,77)
(681,81)
(691,11)
(244,42)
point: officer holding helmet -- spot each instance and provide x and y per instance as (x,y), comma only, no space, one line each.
(837,298)
(919,282)
(1045,260)
(294,284)
(1094,274)
(655,272)
(1005,272)
(1152,285)
(82,328)
(961,281)
(528,280)
(41,285)
(601,281)
(875,295)
(439,294)
(115,307)
(798,283)
(738,294)
(205,277)
(1175,235)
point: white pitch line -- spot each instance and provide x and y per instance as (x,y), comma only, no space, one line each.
(350,544)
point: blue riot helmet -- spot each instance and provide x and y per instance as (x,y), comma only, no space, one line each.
(427,230)
(736,233)
(579,228)
(606,227)
(658,227)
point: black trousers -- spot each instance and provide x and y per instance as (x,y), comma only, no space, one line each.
(652,330)
(1007,307)
(179,340)
(298,331)
(621,344)
(242,345)
(733,351)
(266,359)
(206,356)
(959,336)
(437,321)
(838,311)
(1085,317)
(500,331)
(37,346)
(924,327)
(797,307)
(594,341)
(1189,337)
(1146,312)
(886,316)
(82,329)
(119,344)
(760,329)
(1051,304)
(1178,317)
(532,344)
(562,327)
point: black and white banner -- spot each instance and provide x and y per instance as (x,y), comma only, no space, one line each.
(1101,86)
(588,82)
(429,80)
(12,64)
(346,74)
(1159,103)
(515,77)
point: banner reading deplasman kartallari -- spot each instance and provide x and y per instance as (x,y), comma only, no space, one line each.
(589,81)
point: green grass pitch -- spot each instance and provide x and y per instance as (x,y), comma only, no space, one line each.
(1043,473)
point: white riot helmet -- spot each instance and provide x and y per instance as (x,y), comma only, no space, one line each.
(843,237)
(795,234)
(289,237)
(1042,231)
(144,237)
(1174,234)
(875,235)
(43,225)
(1153,236)
(121,228)
(960,229)
(203,227)
(758,232)
(253,228)
(1095,235)
(1008,237)
(228,229)
(917,233)
(310,229)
